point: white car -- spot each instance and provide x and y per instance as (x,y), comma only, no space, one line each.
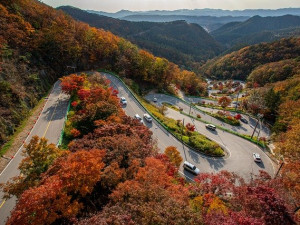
(190,167)
(154,99)
(123,101)
(256,157)
(210,126)
(137,117)
(147,118)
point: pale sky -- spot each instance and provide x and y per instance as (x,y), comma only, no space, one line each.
(144,5)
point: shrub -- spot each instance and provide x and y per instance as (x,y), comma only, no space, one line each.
(198,116)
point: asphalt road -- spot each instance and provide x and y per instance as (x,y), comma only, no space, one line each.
(49,125)
(248,128)
(240,150)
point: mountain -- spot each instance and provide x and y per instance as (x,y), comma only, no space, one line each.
(38,44)
(180,42)
(240,64)
(205,12)
(207,22)
(257,29)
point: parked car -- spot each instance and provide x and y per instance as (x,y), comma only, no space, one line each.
(256,157)
(243,119)
(210,126)
(137,117)
(123,101)
(154,99)
(147,118)
(191,168)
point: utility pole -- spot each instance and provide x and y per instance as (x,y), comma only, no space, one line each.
(279,169)
(259,116)
(237,98)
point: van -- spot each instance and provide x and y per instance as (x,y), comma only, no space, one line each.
(191,168)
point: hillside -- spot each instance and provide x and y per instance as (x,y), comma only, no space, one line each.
(38,44)
(239,64)
(258,29)
(182,43)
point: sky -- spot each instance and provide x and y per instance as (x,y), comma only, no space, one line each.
(144,5)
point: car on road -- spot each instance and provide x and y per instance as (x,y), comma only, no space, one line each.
(210,126)
(191,168)
(256,157)
(243,119)
(154,99)
(123,101)
(137,117)
(147,117)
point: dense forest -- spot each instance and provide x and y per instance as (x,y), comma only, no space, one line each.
(258,29)
(38,44)
(112,173)
(187,45)
(240,64)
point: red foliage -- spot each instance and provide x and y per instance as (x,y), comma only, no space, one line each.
(72,83)
(83,94)
(238,116)
(75,132)
(74,104)
(190,127)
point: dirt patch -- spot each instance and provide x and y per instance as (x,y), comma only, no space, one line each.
(20,138)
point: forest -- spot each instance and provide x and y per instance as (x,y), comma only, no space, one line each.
(112,173)
(239,64)
(38,44)
(186,44)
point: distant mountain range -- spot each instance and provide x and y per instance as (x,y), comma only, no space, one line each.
(258,29)
(205,12)
(209,23)
(182,43)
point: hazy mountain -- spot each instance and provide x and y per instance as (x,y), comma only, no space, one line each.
(206,12)
(183,43)
(207,22)
(257,29)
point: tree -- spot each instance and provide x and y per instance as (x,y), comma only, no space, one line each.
(39,155)
(62,190)
(174,155)
(224,102)
(272,100)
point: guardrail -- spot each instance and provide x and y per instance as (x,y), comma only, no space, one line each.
(158,121)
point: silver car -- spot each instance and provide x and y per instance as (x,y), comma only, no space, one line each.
(137,117)
(147,118)
(191,168)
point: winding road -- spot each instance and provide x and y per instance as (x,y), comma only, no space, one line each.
(240,150)
(48,125)
(51,120)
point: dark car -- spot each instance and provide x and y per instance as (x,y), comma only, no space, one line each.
(243,119)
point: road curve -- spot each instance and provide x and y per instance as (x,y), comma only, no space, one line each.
(49,125)
(240,160)
(242,129)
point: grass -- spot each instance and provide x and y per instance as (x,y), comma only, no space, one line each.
(171,106)
(191,138)
(225,119)
(20,128)
(244,136)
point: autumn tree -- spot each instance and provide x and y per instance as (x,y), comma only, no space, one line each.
(39,155)
(224,102)
(60,194)
(174,155)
